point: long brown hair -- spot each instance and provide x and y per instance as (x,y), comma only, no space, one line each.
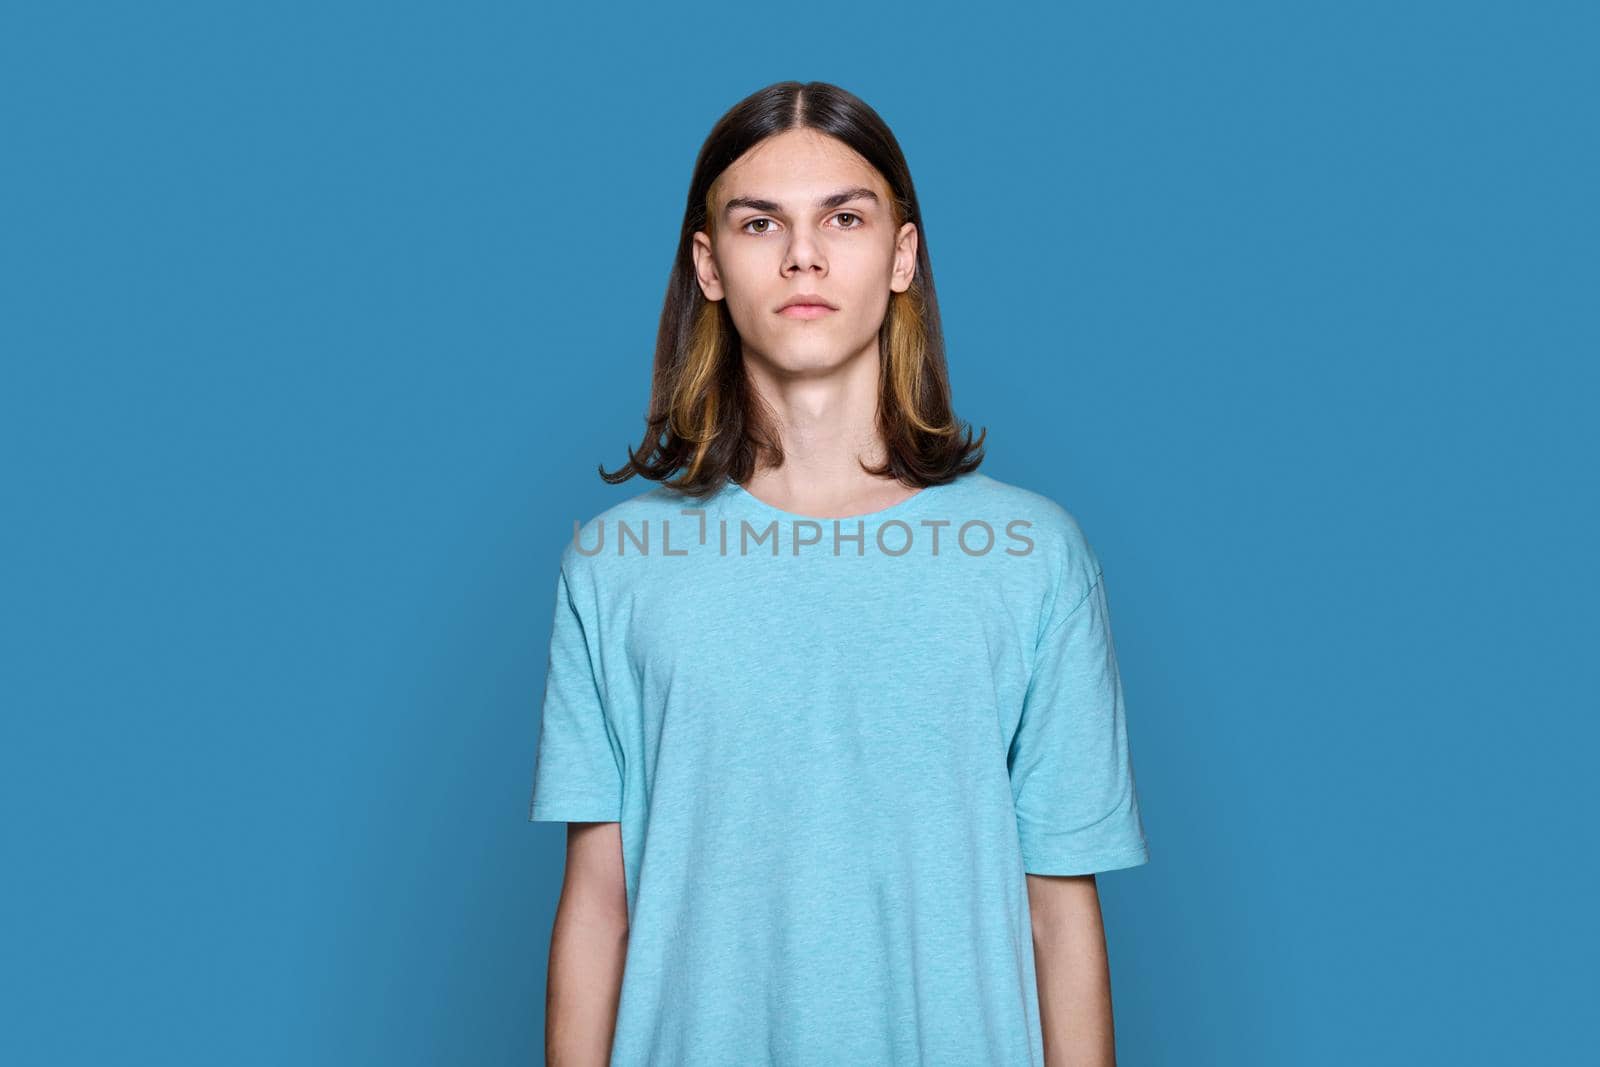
(705,419)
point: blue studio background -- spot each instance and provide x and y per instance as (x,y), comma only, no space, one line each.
(317,319)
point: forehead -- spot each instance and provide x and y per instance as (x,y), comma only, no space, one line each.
(797,166)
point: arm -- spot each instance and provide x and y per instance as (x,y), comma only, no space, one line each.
(1074,978)
(587,948)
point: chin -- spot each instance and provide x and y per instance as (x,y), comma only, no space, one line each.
(808,359)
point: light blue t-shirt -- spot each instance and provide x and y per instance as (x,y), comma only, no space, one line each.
(834,747)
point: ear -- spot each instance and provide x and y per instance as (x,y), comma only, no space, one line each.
(905,258)
(705,267)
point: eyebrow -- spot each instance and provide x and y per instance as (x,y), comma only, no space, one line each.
(843,196)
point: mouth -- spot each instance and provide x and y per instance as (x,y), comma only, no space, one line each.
(805,311)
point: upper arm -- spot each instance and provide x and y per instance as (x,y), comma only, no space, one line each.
(594,881)
(578,770)
(1071,770)
(1064,906)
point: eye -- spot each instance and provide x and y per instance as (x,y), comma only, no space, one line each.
(856,224)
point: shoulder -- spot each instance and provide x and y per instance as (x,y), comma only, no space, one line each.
(1068,559)
(1049,523)
(591,545)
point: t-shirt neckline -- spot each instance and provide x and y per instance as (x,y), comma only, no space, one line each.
(741,497)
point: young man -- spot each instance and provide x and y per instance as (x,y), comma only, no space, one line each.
(841,741)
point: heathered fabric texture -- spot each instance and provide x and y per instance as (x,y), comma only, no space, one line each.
(833,763)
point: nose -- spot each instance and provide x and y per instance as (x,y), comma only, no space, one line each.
(804,254)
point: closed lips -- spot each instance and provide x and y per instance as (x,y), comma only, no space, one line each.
(806,300)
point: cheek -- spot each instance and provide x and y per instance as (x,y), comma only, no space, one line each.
(748,306)
(748,277)
(863,284)
(748,260)
(862,270)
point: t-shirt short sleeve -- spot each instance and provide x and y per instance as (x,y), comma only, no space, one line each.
(1071,772)
(577,774)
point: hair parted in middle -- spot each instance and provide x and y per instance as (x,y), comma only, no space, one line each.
(706,424)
